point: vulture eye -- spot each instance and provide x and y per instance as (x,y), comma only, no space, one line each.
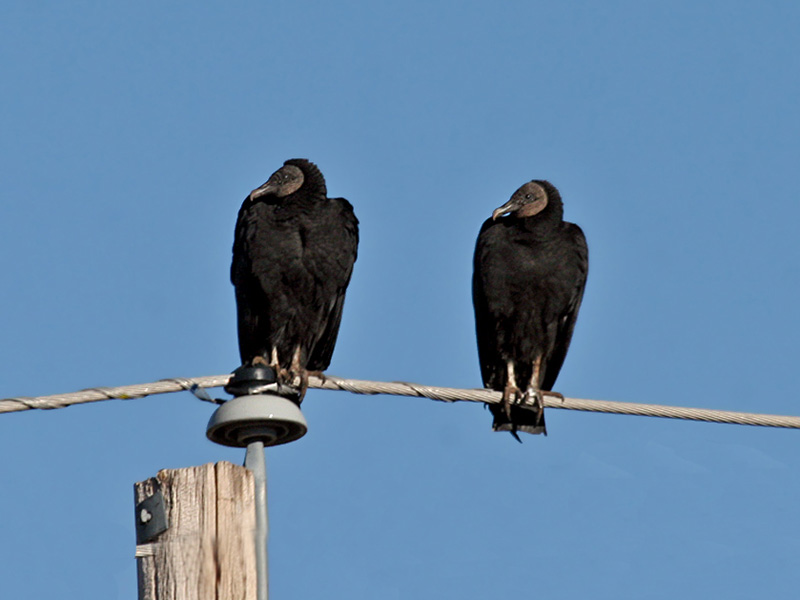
(528,196)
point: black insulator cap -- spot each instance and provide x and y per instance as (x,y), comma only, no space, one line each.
(249,380)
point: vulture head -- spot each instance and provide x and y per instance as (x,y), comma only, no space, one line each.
(527,201)
(286,180)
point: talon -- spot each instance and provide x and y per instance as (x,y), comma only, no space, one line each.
(318,374)
(511,395)
(536,399)
(284,376)
(303,385)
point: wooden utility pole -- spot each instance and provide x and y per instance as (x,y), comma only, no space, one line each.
(206,547)
(201,532)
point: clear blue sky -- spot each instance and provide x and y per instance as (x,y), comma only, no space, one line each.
(129,136)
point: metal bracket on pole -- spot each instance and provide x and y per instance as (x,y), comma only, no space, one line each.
(151,518)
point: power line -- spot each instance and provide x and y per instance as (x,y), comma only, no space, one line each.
(443,394)
(123,392)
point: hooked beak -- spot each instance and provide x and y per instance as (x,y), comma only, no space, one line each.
(508,207)
(268,188)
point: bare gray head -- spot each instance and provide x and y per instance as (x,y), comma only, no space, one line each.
(527,201)
(286,180)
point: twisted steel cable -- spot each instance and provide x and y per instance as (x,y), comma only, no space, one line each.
(398,388)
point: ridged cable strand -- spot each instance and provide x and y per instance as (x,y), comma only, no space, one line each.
(444,394)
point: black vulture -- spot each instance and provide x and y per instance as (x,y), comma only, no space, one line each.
(293,255)
(529,273)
